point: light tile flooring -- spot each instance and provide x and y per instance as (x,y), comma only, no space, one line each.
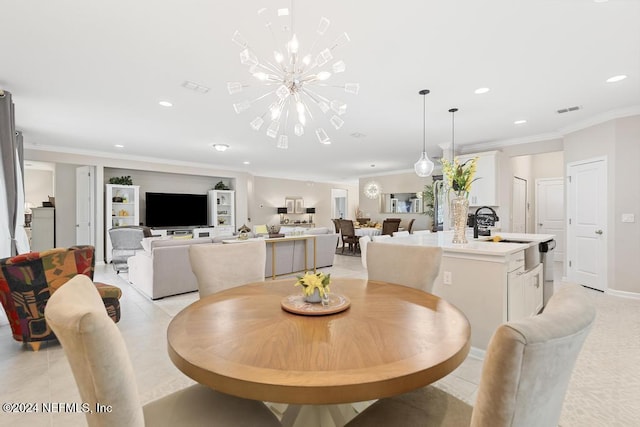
(604,390)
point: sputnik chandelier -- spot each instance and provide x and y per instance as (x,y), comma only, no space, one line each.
(293,80)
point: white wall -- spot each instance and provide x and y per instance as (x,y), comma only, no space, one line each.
(407,182)
(38,185)
(270,193)
(618,141)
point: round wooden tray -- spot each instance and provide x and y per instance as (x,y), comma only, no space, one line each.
(297,305)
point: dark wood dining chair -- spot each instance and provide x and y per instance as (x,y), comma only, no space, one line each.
(390,226)
(336,224)
(348,235)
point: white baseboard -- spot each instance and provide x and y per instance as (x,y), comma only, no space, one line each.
(623,294)
(476,353)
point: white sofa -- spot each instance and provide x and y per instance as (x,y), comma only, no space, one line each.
(163,269)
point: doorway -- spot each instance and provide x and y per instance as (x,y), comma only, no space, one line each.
(586,223)
(550,216)
(338,203)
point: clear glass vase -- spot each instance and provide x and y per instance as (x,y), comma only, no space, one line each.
(459,213)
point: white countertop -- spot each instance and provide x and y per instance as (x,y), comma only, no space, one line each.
(480,246)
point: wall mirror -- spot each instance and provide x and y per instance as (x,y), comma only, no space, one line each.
(401,203)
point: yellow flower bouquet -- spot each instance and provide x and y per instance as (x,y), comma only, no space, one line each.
(312,281)
(459,177)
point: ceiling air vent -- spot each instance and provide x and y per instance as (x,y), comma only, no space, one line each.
(569,109)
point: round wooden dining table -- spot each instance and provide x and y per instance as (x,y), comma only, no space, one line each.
(390,340)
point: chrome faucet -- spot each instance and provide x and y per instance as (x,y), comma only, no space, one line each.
(494,216)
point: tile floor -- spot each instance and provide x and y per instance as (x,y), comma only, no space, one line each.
(604,390)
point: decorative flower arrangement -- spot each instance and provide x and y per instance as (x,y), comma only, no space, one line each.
(459,176)
(310,282)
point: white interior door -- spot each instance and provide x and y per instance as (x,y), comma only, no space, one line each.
(586,223)
(85,206)
(519,206)
(550,217)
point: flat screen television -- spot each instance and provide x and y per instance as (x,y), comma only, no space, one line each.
(175,210)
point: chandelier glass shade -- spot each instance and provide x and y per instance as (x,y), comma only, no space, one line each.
(292,82)
(372,190)
(424,166)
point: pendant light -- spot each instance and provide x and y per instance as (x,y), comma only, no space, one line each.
(424,166)
(453,122)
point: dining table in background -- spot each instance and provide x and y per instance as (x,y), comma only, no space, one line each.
(390,340)
(368,231)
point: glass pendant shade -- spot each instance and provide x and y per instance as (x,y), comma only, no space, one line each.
(423,166)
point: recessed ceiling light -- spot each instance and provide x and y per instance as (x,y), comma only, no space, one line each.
(616,78)
(600,1)
(481,90)
(519,122)
(220,147)
(119,146)
(246,163)
(165,104)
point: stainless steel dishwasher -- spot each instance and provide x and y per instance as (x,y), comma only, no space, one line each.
(546,257)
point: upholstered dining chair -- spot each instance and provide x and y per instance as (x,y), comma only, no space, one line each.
(525,374)
(390,225)
(28,280)
(409,265)
(348,233)
(380,238)
(222,266)
(422,232)
(363,242)
(104,374)
(403,233)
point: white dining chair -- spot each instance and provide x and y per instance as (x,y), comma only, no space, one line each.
(363,242)
(400,233)
(380,237)
(104,374)
(422,232)
(218,267)
(525,374)
(408,265)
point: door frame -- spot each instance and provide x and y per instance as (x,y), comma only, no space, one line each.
(526,201)
(570,242)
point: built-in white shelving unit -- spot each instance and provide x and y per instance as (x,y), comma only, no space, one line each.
(122,208)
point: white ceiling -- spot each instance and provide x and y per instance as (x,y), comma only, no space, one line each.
(88,75)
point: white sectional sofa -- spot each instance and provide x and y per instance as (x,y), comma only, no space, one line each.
(163,269)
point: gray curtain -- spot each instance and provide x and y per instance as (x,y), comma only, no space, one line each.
(12,177)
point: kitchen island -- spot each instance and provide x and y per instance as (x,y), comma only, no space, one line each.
(491,282)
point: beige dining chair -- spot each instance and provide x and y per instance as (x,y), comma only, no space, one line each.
(104,374)
(408,265)
(380,237)
(363,242)
(525,374)
(222,266)
(400,233)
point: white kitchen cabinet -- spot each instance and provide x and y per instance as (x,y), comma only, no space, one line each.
(533,286)
(525,293)
(221,210)
(484,191)
(122,207)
